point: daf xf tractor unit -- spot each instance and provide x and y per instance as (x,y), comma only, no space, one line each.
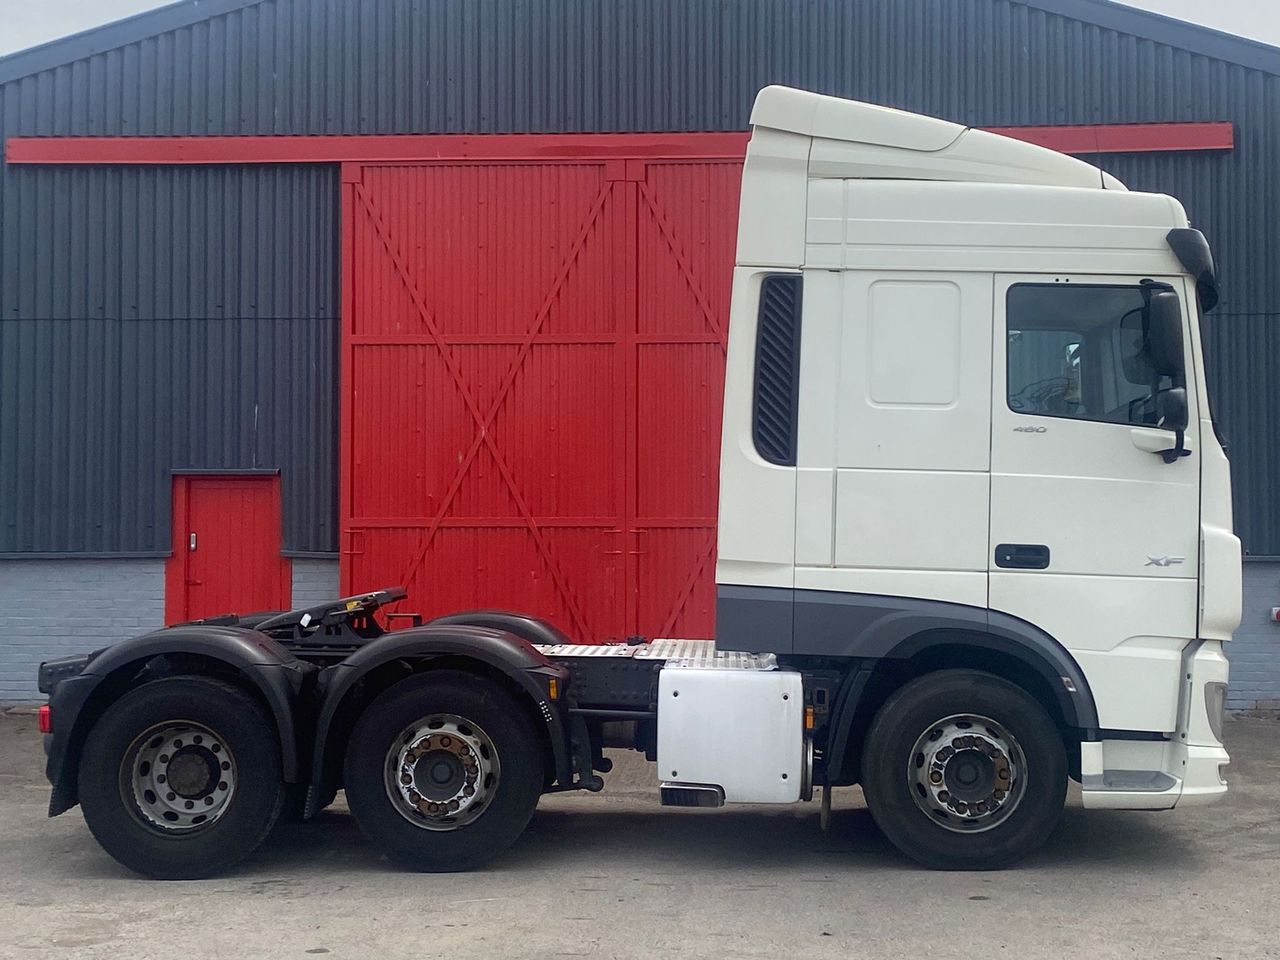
(975,541)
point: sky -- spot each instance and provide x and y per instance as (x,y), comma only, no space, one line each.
(25,23)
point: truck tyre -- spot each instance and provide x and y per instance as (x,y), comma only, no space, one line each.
(964,771)
(443,771)
(181,777)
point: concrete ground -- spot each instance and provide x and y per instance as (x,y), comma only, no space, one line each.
(616,875)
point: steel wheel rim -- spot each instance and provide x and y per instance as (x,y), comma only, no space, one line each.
(967,773)
(442,772)
(180,775)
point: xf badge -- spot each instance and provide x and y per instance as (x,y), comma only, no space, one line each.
(1165,561)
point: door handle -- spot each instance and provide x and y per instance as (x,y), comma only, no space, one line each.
(1022,556)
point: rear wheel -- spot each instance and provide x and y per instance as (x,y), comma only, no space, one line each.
(964,771)
(443,771)
(181,777)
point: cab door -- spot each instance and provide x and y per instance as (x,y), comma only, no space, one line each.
(1094,536)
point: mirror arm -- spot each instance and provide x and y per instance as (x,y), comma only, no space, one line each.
(1179,448)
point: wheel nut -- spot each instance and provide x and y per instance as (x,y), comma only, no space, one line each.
(406,779)
(935,777)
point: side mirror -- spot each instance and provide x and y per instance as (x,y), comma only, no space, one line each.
(1171,405)
(1164,335)
(1172,408)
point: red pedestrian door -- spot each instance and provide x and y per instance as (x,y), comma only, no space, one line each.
(226,548)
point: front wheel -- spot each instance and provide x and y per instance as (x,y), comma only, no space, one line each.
(964,771)
(181,778)
(443,771)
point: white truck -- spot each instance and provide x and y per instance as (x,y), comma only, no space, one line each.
(974,540)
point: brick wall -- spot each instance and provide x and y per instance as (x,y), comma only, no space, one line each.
(51,608)
(1255,651)
(314,581)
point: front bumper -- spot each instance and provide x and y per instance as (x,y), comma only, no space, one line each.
(1188,767)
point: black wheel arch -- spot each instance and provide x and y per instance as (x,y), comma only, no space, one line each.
(1017,652)
(346,688)
(528,627)
(251,660)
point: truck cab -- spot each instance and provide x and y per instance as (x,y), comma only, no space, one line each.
(966,405)
(975,540)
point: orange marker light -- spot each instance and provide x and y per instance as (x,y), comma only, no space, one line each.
(553,688)
(808,718)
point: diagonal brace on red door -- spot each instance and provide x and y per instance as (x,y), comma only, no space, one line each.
(484,419)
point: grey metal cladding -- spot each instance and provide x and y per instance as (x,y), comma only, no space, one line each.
(492,66)
(161,319)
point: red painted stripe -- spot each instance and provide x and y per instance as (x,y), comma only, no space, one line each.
(1098,138)
(534,148)
(1127,137)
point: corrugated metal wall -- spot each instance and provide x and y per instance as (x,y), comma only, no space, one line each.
(154,320)
(478,66)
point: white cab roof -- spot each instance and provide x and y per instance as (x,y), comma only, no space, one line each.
(855,140)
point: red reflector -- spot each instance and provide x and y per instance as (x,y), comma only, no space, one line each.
(46,719)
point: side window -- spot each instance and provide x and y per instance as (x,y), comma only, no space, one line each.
(1082,352)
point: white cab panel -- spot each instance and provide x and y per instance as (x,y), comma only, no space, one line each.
(757,521)
(912,357)
(894,435)
(912,521)
(863,140)
(741,730)
(988,227)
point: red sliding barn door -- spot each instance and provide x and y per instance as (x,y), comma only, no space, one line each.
(532,373)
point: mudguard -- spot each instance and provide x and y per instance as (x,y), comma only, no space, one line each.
(1015,639)
(522,625)
(511,655)
(274,672)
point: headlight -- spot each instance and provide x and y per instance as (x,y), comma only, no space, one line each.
(1215,705)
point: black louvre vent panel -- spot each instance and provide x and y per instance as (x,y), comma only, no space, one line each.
(773,422)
